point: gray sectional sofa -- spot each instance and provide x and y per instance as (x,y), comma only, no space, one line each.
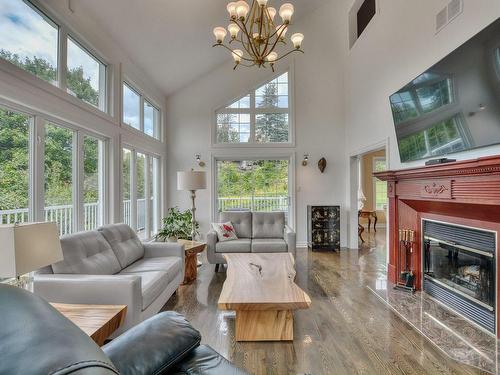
(111,266)
(258,232)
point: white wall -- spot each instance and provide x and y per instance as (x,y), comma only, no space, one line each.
(397,46)
(319,118)
(400,44)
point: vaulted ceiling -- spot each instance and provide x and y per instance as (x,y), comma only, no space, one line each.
(170,40)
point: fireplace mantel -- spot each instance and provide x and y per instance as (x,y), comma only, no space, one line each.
(464,193)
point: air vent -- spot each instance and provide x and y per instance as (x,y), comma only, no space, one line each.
(449,13)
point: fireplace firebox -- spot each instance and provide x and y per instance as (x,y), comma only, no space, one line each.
(458,267)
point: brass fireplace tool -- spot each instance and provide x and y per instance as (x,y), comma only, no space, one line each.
(406,280)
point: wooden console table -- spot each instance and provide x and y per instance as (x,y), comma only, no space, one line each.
(369,215)
(97,321)
(192,249)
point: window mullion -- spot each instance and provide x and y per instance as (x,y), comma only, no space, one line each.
(37,168)
(252,117)
(133,189)
(62,58)
(141,113)
(78,205)
(147,194)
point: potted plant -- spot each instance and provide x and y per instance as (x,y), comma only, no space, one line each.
(176,225)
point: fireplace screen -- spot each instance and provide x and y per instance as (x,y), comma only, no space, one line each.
(459,269)
(469,272)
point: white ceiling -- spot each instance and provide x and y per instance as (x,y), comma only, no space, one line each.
(170,40)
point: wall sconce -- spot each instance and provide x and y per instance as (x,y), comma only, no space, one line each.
(305,160)
(200,162)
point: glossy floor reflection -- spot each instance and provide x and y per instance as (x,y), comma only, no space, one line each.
(347,330)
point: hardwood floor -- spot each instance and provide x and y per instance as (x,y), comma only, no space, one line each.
(347,330)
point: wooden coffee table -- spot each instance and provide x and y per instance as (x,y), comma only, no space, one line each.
(261,289)
(192,249)
(97,321)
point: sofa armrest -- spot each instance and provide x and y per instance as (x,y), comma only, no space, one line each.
(211,244)
(93,289)
(153,346)
(163,249)
(290,239)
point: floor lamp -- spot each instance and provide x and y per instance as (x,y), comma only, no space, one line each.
(192,180)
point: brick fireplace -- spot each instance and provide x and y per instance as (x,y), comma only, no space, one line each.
(465,195)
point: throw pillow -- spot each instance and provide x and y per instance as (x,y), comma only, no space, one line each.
(225,231)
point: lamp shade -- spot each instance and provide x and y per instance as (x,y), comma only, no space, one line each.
(191,180)
(27,247)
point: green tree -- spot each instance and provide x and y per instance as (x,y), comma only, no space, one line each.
(225,133)
(14,145)
(271,127)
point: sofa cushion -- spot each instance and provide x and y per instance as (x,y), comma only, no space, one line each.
(225,231)
(87,253)
(269,245)
(153,283)
(124,242)
(241,245)
(171,265)
(268,224)
(242,222)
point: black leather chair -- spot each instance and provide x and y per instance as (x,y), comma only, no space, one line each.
(36,339)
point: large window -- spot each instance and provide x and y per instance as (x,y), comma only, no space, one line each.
(15,129)
(59,162)
(253,185)
(262,116)
(29,39)
(63,184)
(34,42)
(86,76)
(144,117)
(141,192)
(379,187)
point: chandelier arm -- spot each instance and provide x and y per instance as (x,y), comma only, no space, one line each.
(249,45)
(232,51)
(279,31)
(288,53)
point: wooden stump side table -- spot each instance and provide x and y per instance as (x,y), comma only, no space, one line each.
(191,249)
(97,321)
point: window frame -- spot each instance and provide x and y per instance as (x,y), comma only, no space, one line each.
(143,98)
(37,166)
(375,180)
(60,88)
(151,218)
(256,155)
(103,73)
(253,112)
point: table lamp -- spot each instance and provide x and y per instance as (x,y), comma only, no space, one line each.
(27,247)
(192,180)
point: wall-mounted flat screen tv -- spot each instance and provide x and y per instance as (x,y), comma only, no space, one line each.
(453,106)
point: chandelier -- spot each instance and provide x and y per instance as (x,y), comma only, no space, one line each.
(253,30)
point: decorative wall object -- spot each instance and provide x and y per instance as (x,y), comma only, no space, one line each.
(322,164)
(323,227)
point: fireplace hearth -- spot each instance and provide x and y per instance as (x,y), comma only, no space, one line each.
(454,210)
(459,270)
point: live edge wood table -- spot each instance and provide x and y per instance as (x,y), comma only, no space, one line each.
(192,249)
(260,288)
(97,321)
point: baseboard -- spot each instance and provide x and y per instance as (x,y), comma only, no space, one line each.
(301,245)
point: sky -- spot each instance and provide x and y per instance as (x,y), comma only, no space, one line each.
(25,32)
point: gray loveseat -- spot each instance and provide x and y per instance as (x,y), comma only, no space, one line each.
(111,266)
(258,232)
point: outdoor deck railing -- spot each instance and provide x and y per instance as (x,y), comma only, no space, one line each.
(63,214)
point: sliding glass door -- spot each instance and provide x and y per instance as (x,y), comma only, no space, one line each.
(253,185)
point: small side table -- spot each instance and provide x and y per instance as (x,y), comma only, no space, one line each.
(97,321)
(192,249)
(369,215)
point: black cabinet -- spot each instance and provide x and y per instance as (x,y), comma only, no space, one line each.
(323,227)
